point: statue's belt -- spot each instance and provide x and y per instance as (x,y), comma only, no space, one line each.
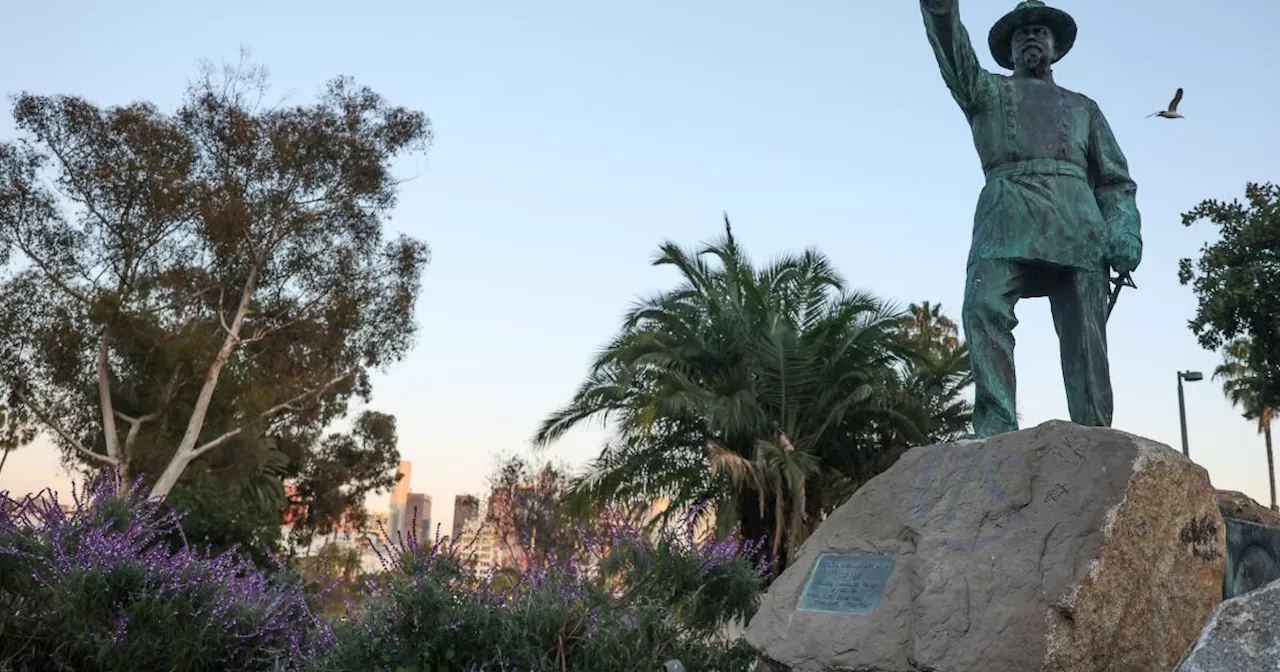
(1039,167)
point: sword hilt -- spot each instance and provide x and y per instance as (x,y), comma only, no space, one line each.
(1120,281)
(1123,280)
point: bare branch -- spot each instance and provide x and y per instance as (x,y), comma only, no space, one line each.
(135,425)
(133,421)
(302,313)
(178,303)
(21,396)
(82,194)
(53,278)
(289,405)
(222,316)
(16,238)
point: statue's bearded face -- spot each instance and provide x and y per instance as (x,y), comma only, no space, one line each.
(1033,48)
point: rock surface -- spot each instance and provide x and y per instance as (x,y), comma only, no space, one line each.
(1060,548)
(1240,506)
(1242,635)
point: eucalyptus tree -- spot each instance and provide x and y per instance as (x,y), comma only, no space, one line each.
(209,285)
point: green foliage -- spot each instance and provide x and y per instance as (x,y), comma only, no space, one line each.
(933,378)
(773,392)
(430,613)
(207,286)
(16,429)
(1236,281)
(334,479)
(1240,385)
(667,571)
(332,577)
(221,520)
(526,509)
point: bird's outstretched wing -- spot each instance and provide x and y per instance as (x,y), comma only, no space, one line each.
(1177,98)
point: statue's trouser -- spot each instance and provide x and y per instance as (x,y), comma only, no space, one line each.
(1078,299)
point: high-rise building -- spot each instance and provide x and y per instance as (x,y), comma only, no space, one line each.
(417,518)
(466,508)
(400,496)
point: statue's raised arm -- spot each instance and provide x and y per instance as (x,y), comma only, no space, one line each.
(967,79)
(1057,209)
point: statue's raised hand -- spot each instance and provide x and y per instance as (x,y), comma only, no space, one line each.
(937,5)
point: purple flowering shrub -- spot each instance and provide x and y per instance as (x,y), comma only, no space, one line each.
(705,583)
(104,587)
(632,602)
(101,588)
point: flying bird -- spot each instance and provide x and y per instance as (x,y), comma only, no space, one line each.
(1172,112)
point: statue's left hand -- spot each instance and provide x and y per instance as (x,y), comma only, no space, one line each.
(1125,253)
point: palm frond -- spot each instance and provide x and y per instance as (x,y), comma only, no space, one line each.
(771,391)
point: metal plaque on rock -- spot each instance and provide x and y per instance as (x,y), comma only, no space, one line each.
(846,583)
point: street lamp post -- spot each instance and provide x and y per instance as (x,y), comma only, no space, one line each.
(1190,377)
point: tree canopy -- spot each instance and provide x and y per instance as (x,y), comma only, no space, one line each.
(526,511)
(210,285)
(1236,281)
(772,392)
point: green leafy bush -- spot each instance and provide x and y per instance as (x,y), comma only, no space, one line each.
(647,599)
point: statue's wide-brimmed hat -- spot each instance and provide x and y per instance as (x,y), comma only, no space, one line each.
(1028,13)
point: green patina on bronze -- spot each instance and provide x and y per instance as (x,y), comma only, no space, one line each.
(1057,213)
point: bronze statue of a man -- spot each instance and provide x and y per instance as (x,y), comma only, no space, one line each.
(1057,211)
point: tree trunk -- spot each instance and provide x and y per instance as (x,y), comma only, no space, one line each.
(104,399)
(187,447)
(8,450)
(1271,462)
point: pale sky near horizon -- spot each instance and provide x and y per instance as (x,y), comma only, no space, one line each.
(573,137)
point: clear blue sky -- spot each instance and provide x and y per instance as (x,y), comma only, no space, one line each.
(573,137)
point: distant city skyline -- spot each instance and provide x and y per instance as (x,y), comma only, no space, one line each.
(408,509)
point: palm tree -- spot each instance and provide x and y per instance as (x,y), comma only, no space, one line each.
(930,329)
(1239,384)
(760,390)
(936,379)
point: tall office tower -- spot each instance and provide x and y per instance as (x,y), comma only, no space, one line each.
(417,518)
(466,509)
(399,497)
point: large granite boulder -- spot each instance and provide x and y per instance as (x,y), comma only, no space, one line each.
(1253,543)
(1059,548)
(1242,635)
(1240,506)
